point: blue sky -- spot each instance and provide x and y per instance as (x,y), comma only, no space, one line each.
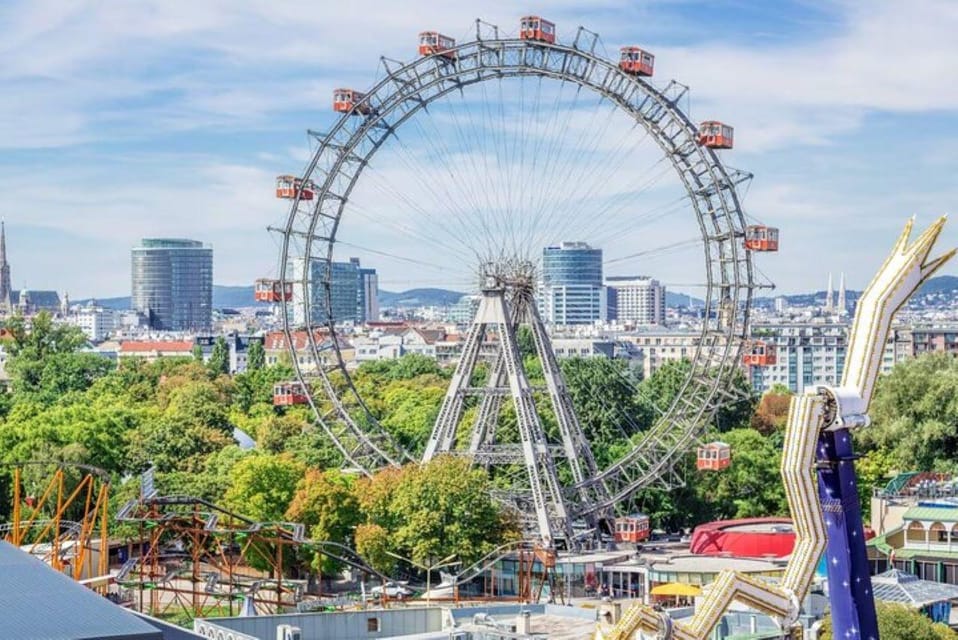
(120,120)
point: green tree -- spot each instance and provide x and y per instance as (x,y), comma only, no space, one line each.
(752,485)
(606,404)
(373,543)
(325,503)
(410,408)
(872,470)
(172,445)
(897,622)
(255,356)
(32,342)
(197,353)
(262,486)
(436,510)
(63,373)
(525,342)
(915,414)
(407,367)
(219,362)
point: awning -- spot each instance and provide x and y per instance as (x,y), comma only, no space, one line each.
(676,589)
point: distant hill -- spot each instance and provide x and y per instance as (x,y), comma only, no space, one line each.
(941,285)
(223,296)
(240,296)
(419,298)
(682,300)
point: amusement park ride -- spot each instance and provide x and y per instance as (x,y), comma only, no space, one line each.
(817,464)
(528,470)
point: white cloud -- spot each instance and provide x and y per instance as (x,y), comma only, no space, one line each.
(142,74)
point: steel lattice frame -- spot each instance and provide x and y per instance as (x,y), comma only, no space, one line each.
(343,153)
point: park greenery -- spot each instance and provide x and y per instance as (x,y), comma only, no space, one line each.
(179,416)
(898,622)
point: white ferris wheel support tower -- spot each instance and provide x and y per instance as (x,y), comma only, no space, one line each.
(507,302)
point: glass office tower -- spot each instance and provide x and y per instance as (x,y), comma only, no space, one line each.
(572,291)
(173,283)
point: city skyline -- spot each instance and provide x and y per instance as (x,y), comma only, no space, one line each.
(186,133)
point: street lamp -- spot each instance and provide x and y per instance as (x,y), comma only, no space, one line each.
(445,562)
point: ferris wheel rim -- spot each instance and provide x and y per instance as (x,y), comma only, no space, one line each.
(714,187)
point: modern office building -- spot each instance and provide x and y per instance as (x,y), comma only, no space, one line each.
(463,312)
(571,290)
(173,283)
(369,291)
(635,300)
(353,293)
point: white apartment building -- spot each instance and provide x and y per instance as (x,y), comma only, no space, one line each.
(96,323)
(635,300)
(813,353)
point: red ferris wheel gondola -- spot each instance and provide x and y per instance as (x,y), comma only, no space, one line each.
(759,354)
(266,290)
(289,393)
(758,237)
(288,186)
(714,456)
(536,28)
(716,135)
(434,43)
(351,101)
(636,61)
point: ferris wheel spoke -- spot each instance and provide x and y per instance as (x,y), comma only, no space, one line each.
(578,158)
(434,240)
(454,195)
(443,198)
(436,222)
(538,205)
(681,245)
(472,137)
(462,180)
(602,218)
(618,157)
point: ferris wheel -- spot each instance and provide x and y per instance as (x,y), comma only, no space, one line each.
(457,169)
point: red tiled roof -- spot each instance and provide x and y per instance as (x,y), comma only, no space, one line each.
(150,346)
(276,340)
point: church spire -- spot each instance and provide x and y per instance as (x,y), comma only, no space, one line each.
(5,293)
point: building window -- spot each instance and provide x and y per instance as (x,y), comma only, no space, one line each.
(372,625)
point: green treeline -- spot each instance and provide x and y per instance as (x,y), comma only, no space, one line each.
(179,415)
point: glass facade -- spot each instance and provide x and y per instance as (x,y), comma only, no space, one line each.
(173,283)
(353,293)
(572,291)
